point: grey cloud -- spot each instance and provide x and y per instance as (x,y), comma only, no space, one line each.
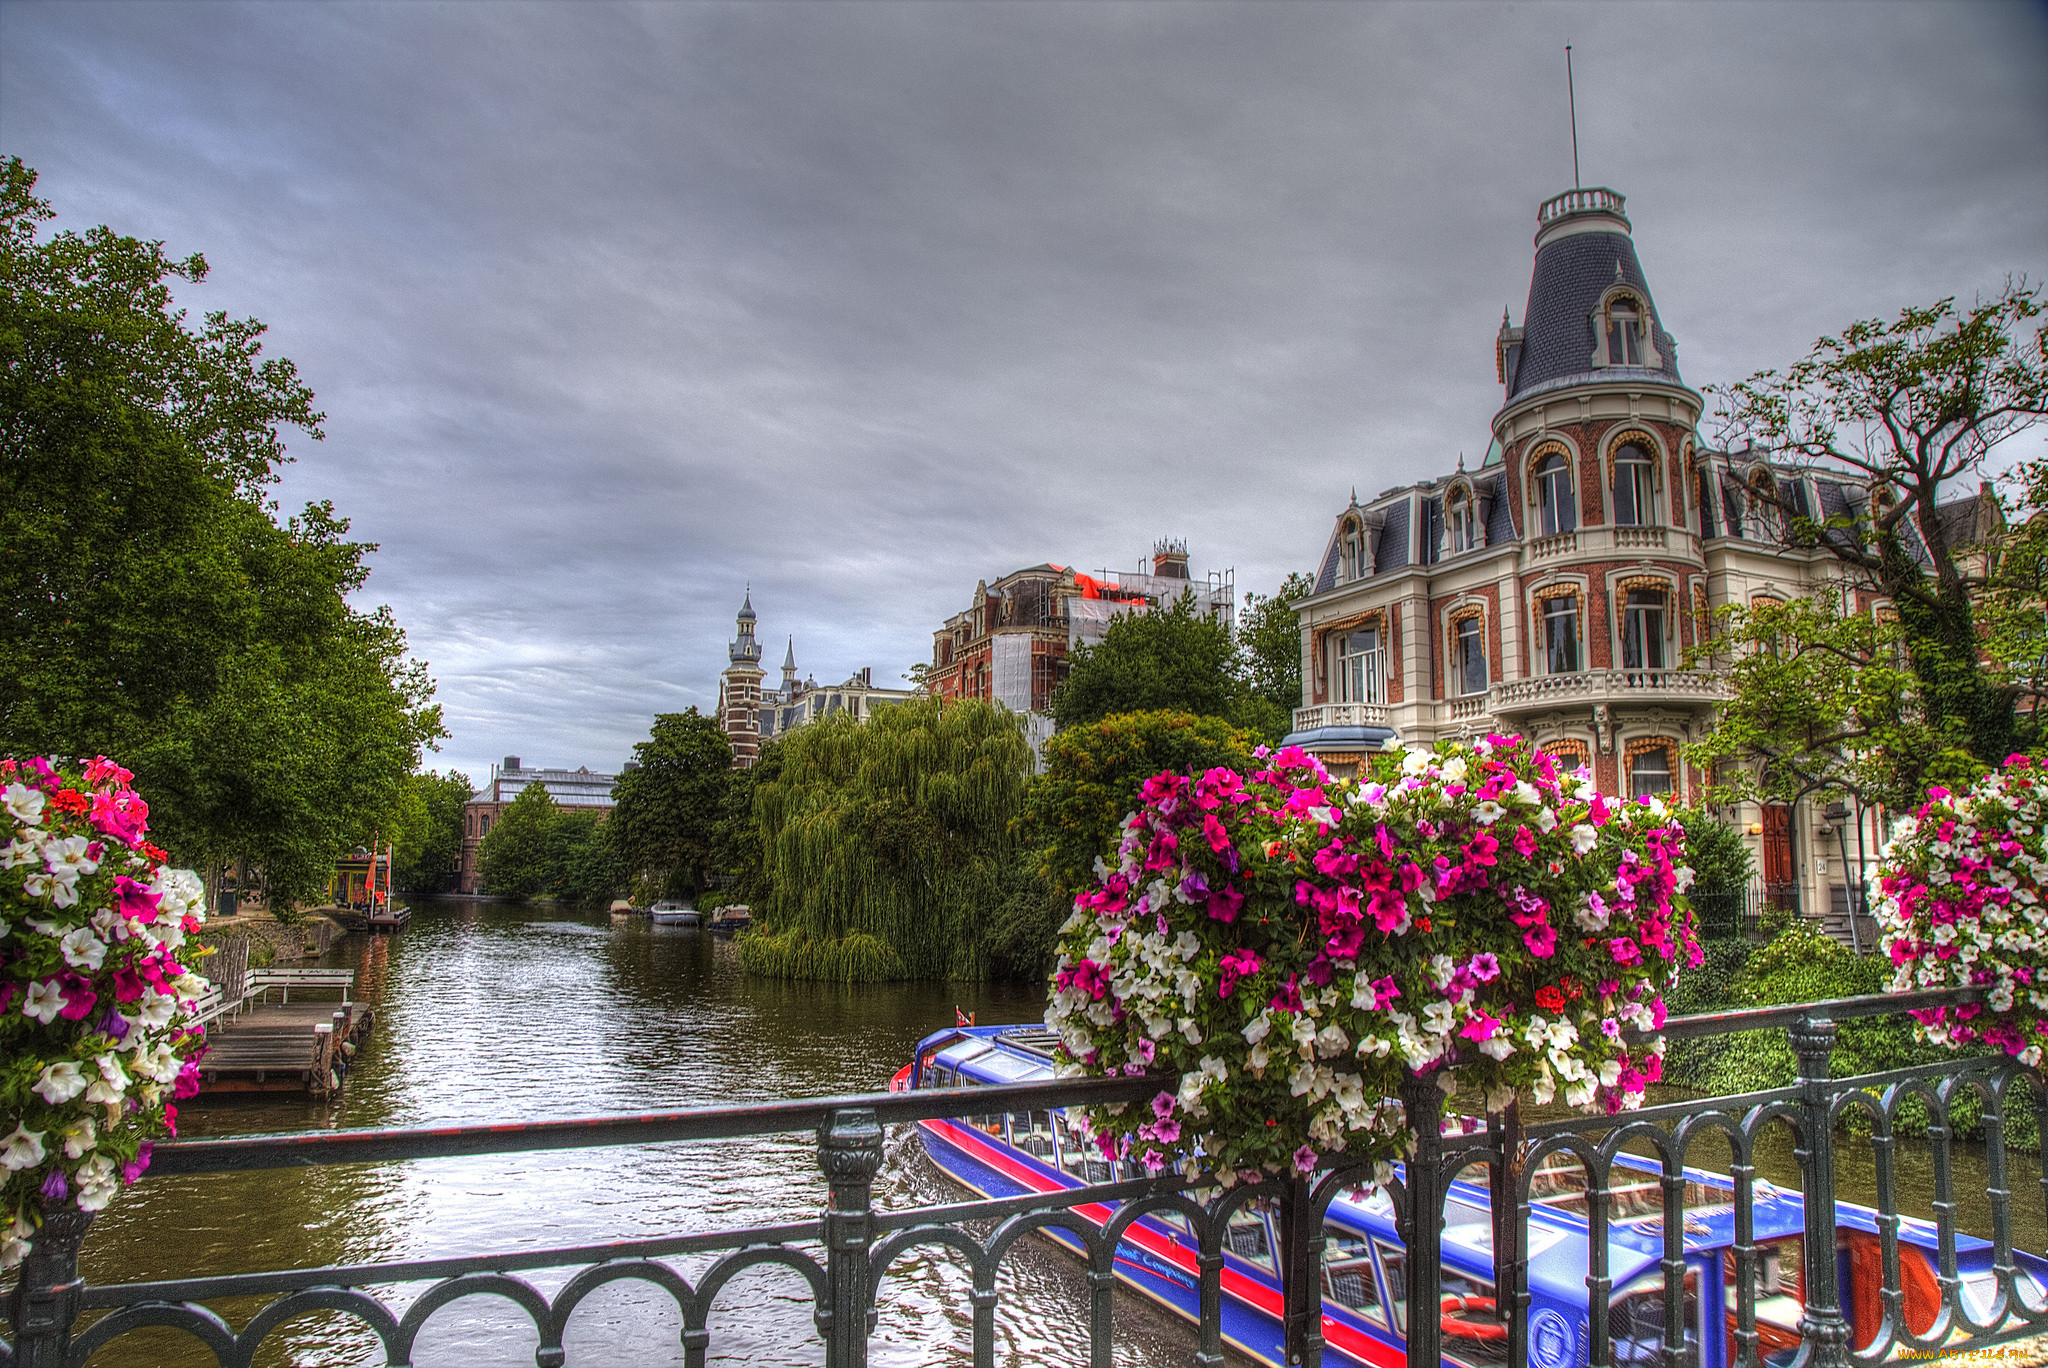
(615,308)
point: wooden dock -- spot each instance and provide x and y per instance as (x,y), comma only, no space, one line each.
(285,1046)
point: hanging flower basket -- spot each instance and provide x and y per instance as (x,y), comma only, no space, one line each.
(1957,895)
(95,1003)
(1285,950)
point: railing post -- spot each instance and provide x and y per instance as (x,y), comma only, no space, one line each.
(44,1304)
(1510,1272)
(1822,1326)
(1422,1218)
(1301,1274)
(849,1152)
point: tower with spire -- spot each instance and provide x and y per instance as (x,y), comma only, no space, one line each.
(739,689)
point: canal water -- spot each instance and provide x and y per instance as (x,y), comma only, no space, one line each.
(491,1012)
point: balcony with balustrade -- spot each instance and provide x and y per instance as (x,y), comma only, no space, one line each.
(1542,693)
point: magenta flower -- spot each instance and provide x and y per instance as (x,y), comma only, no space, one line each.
(1305,1159)
(1236,965)
(1481,1027)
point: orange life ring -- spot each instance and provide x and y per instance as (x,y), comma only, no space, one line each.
(1460,1328)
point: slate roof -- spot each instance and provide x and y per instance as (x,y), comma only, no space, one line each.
(1393,548)
(1557,328)
(1500,519)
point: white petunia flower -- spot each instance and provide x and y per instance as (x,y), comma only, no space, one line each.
(23,803)
(83,950)
(60,1082)
(97,1183)
(44,1001)
(1584,838)
(23,1149)
(111,1085)
(78,1138)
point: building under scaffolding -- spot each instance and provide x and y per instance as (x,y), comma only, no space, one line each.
(1010,644)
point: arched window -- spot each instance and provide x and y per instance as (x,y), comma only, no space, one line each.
(1362,666)
(1468,656)
(1635,498)
(1650,772)
(1624,332)
(1554,493)
(1356,551)
(1463,519)
(1642,630)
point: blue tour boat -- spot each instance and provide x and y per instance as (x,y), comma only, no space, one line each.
(1365,1305)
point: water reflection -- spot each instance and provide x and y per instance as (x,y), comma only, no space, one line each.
(488,1012)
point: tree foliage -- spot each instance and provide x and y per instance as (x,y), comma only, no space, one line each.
(668,805)
(1269,636)
(427,834)
(887,842)
(517,856)
(1823,702)
(1091,779)
(155,610)
(1175,658)
(1905,410)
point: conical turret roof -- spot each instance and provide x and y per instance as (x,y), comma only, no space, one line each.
(1583,250)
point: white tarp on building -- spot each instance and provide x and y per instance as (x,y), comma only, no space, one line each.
(1010,662)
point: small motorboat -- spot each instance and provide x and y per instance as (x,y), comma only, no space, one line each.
(726,920)
(669,912)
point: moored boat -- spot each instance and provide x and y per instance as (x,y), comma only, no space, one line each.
(1364,1264)
(669,912)
(727,920)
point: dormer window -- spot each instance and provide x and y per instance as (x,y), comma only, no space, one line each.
(1635,501)
(1355,555)
(1463,522)
(1554,493)
(1624,332)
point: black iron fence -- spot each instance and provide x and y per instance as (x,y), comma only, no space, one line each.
(58,1319)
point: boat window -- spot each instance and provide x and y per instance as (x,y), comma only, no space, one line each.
(1635,1321)
(1247,1235)
(1032,1133)
(1348,1279)
(1177,1223)
(1079,1156)
(1394,1267)
(939,1077)
(1473,1331)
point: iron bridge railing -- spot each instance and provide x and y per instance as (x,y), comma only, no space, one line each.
(856,1244)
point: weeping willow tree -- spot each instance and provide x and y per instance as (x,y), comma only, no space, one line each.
(887,843)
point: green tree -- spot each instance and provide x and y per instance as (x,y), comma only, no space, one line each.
(667,805)
(2014,610)
(738,851)
(888,842)
(1091,779)
(583,866)
(427,834)
(517,858)
(155,611)
(1174,658)
(1824,702)
(1269,634)
(1906,410)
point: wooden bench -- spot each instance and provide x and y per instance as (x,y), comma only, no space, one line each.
(261,981)
(211,1004)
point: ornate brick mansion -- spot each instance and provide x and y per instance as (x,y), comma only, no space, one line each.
(1553,590)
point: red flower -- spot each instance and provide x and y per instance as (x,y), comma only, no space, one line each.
(70,800)
(1549,999)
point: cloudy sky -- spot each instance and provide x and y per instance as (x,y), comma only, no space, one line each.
(614,309)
